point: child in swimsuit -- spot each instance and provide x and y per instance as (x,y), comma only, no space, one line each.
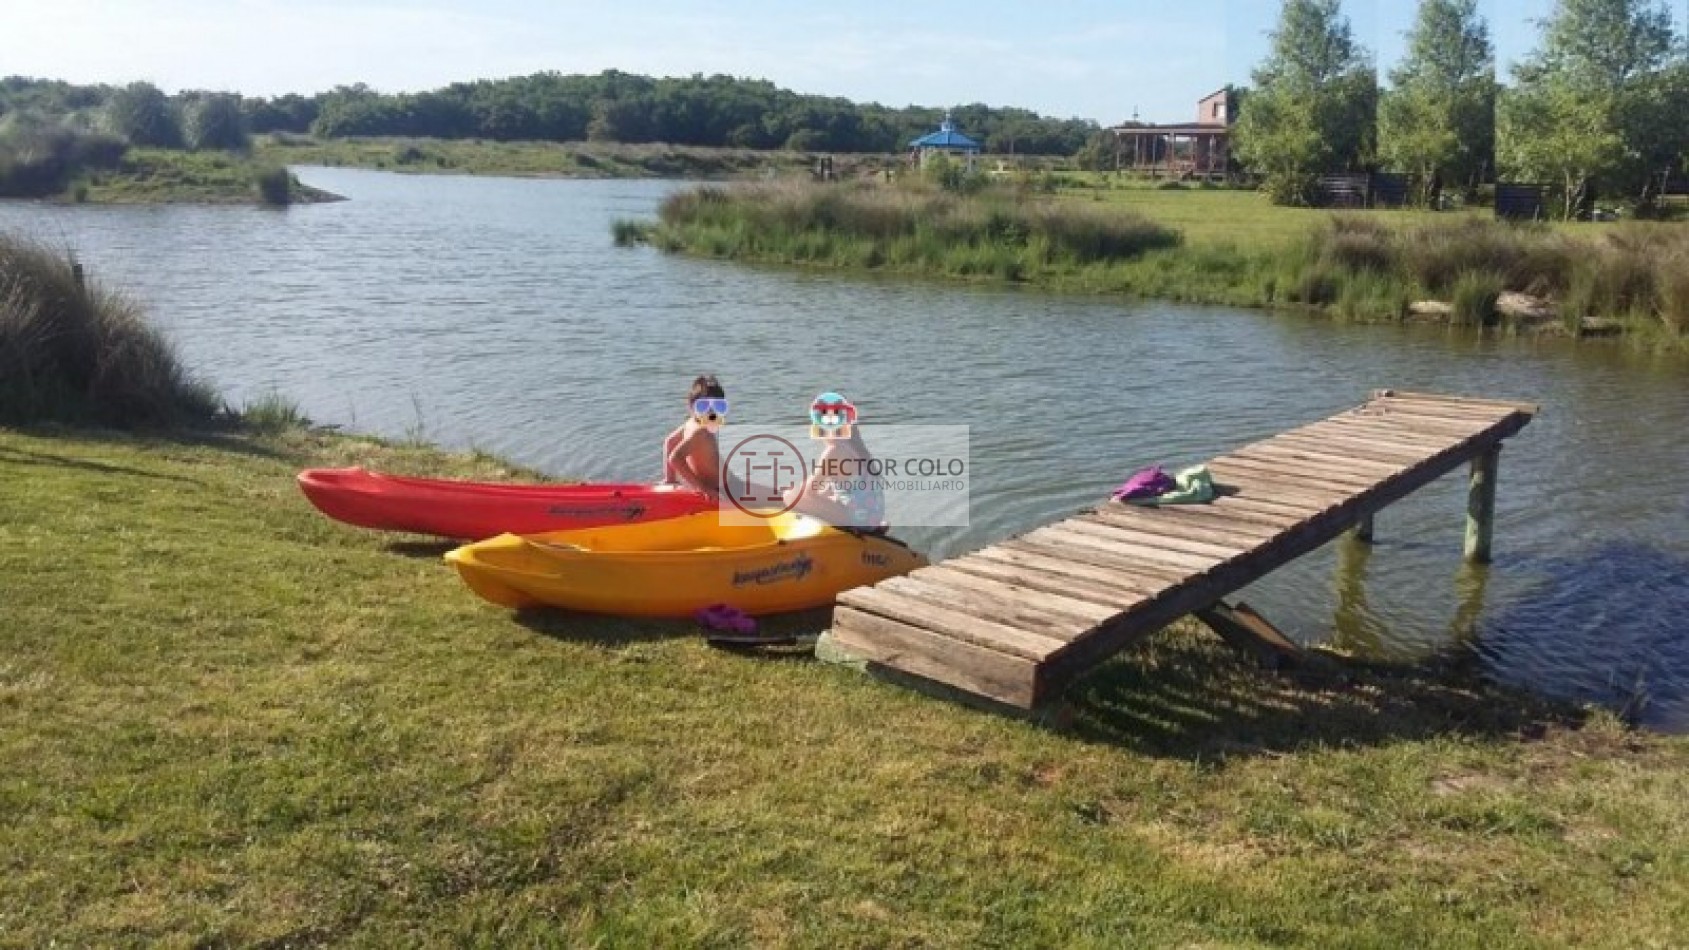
(691,456)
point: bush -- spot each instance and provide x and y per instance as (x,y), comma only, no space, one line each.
(216,122)
(40,157)
(275,185)
(141,113)
(71,352)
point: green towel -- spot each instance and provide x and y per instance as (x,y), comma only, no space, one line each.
(1196,485)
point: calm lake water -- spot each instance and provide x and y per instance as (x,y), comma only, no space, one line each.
(496,313)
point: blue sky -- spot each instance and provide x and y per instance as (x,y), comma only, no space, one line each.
(1087,58)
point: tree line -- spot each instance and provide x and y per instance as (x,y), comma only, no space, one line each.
(611,106)
(1602,104)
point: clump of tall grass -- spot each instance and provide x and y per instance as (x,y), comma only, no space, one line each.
(270,414)
(1474,298)
(1672,292)
(71,351)
(915,227)
(628,232)
(1628,273)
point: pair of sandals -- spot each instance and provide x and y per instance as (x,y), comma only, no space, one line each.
(727,626)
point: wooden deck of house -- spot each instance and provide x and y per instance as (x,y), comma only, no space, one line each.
(1018,621)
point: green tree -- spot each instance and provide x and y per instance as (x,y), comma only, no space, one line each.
(1314,105)
(1549,132)
(1595,102)
(141,113)
(1438,118)
(216,122)
(1098,154)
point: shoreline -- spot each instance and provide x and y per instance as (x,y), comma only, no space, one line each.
(1452,269)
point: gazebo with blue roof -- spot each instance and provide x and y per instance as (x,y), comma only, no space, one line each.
(946,141)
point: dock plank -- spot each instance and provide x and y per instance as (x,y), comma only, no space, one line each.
(980,632)
(910,649)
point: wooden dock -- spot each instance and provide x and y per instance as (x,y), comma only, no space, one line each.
(1018,621)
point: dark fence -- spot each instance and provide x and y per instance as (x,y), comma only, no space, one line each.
(1516,202)
(1391,190)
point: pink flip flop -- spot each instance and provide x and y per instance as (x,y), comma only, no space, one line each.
(726,619)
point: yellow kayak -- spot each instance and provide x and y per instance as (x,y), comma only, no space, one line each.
(678,566)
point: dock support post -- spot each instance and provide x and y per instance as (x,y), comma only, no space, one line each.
(1363,529)
(1480,506)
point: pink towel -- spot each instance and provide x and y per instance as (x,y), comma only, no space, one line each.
(1146,483)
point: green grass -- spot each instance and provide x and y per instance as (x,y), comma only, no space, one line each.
(155,176)
(1195,244)
(227,720)
(1226,216)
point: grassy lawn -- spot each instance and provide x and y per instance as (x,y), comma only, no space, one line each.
(1246,219)
(1217,216)
(225,719)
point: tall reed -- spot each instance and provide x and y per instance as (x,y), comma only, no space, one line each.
(72,351)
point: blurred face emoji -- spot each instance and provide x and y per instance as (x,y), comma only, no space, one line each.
(830,417)
(710,412)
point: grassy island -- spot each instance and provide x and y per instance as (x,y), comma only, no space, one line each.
(1205,245)
(547,159)
(159,176)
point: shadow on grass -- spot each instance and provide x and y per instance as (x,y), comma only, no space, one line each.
(223,438)
(1186,696)
(429,549)
(232,440)
(23,457)
(576,627)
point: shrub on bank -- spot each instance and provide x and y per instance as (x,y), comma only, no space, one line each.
(40,157)
(71,351)
(1632,273)
(274,184)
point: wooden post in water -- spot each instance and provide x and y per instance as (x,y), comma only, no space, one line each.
(76,273)
(1363,529)
(1480,506)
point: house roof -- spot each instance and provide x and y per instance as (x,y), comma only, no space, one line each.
(945,137)
(1186,128)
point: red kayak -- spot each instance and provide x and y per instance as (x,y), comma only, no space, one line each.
(477,510)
